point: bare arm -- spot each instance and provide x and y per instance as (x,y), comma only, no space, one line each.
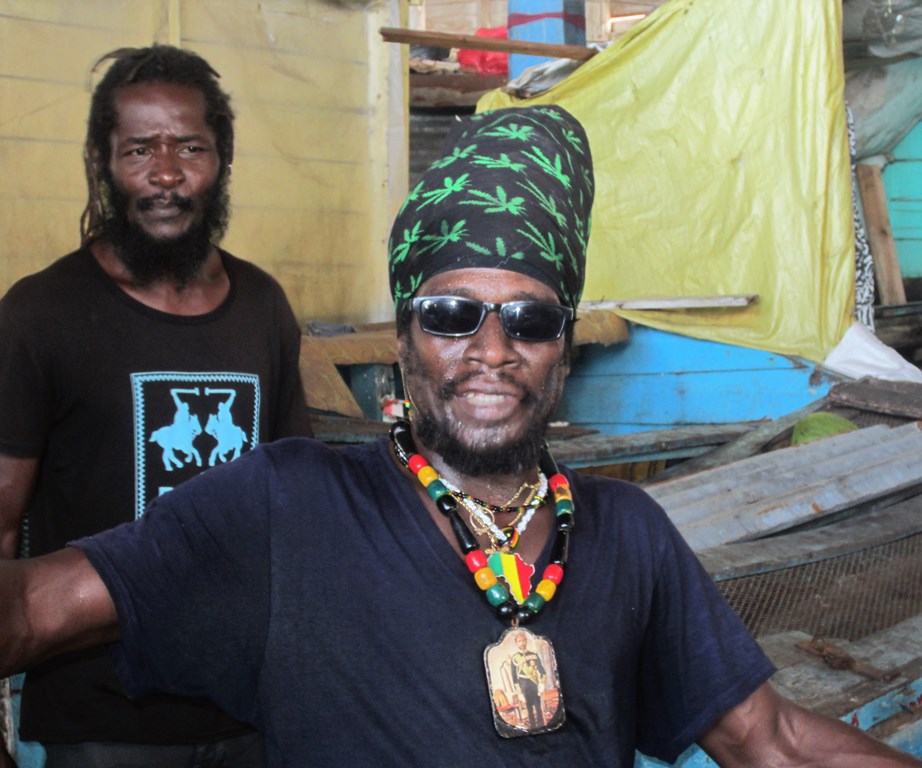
(51,605)
(768,729)
(17,482)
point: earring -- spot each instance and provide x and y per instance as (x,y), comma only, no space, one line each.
(407,399)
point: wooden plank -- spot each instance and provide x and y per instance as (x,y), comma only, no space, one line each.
(744,446)
(598,450)
(895,398)
(900,332)
(790,487)
(633,402)
(777,472)
(475,43)
(832,500)
(574,447)
(909,308)
(871,705)
(677,302)
(857,533)
(880,235)
(343,430)
(815,685)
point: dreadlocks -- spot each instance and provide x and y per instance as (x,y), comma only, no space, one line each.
(156,64)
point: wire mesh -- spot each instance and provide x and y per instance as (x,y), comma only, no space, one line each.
(847,597)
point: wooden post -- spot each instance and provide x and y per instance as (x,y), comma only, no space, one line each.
(880,236)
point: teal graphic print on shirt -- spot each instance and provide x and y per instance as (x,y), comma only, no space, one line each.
(187,422)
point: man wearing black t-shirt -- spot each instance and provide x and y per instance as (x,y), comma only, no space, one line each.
(128,367)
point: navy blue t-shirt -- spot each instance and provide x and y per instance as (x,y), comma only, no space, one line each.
(308,592)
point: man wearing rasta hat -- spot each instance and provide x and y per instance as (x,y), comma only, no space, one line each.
(359,606)
(514,192)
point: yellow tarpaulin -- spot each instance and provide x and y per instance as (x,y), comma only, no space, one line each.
(720,146)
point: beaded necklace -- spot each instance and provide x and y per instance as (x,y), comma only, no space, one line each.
(507,537)
(495,593)
(517,646)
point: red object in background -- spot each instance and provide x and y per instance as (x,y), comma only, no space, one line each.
(486,62)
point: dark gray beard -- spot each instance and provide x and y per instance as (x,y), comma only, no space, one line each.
(521,455)
(177,260)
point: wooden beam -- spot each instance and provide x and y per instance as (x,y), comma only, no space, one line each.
(902,399)
(742,447)
(676,302)
(475,43)
(601,450)
(880,236)
(872,528)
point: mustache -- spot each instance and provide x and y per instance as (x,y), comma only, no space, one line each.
(180,201)
(450,388)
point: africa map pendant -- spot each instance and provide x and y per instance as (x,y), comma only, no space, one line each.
(511,568)
(524,687)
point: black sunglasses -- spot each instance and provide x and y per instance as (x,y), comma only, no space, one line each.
(522,320)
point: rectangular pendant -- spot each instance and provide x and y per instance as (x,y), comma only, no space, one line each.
(523,684)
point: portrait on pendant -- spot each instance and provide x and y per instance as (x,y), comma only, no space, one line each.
(524,687)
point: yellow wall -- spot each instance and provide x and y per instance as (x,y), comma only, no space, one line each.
(321,160)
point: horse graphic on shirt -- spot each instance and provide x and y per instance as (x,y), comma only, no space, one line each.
(230,437)
(180,435)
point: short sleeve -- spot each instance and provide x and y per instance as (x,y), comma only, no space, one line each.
(190,581)
(293,417)
(698,659)
(25,391)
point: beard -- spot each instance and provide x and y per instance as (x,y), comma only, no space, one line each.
(478,458)
(178,259)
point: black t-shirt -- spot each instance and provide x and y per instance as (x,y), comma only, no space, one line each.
(122,402)
(309,592)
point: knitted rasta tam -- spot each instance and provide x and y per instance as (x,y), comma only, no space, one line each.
(513,190)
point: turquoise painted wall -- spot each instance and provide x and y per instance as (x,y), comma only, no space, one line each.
(903,184)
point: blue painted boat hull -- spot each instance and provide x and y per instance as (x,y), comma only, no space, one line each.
(659,380)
